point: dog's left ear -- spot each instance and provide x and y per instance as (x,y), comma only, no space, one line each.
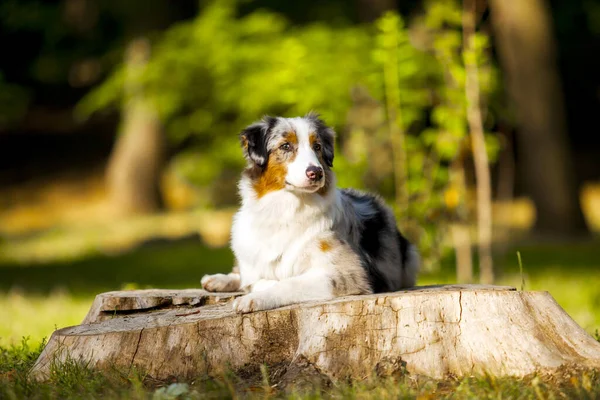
(327,139)
(326,135)
(254,141)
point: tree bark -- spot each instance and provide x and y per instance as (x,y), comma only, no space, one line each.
(136,162)
(461,239)
(480,157)
(459,229)
(438,331)
(523,34)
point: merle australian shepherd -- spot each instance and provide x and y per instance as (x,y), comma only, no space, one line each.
(299,238)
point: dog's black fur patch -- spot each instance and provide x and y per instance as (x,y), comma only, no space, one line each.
(257,137)
(404,243)
(372,226)
(326,136)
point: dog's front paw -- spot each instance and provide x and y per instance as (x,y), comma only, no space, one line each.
(252,302)
(220,283)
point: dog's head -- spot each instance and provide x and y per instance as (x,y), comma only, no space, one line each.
(294,154)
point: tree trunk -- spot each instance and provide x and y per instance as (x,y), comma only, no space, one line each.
(523,34)
(459,229)
(461,239)
(137,159)
(480,157)
(438,331)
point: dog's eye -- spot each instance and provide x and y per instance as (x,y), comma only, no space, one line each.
(285,147)
(317,146)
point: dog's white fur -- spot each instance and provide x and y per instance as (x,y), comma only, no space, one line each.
(302,243)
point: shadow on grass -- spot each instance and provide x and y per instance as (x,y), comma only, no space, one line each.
(539,260)
(180,264)
(169,264)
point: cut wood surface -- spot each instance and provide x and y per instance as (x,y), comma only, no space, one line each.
(111,304)
(437,331)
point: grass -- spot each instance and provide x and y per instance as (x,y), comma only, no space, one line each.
(165,264)
(73,380)
(36,298)
(521,270)
(36,316)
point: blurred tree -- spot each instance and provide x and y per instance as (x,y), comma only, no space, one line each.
(403,82)
(427,156)
(454,198)
(393,43)
(55,52)
(480,157)
(467,78)
(137,160)
(527,52)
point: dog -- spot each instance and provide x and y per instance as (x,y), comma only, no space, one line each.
(298,238)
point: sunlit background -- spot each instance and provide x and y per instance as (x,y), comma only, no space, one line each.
(476,120)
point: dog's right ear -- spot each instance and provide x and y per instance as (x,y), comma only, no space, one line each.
(254,141)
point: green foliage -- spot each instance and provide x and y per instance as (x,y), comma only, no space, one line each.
(401,72)
(425,88)
(402,80)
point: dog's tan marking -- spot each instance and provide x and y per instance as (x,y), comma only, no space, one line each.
(272,177)
(291,137)
(324,246)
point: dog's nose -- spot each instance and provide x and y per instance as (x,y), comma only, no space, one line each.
(314,173)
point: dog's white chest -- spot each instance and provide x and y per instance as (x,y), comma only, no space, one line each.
(273,244)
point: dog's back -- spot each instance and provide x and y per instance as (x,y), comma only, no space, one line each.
(390,260)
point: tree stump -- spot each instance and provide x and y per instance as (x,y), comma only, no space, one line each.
(436,331)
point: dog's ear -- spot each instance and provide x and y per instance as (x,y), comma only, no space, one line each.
(326,135)
(254,141)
